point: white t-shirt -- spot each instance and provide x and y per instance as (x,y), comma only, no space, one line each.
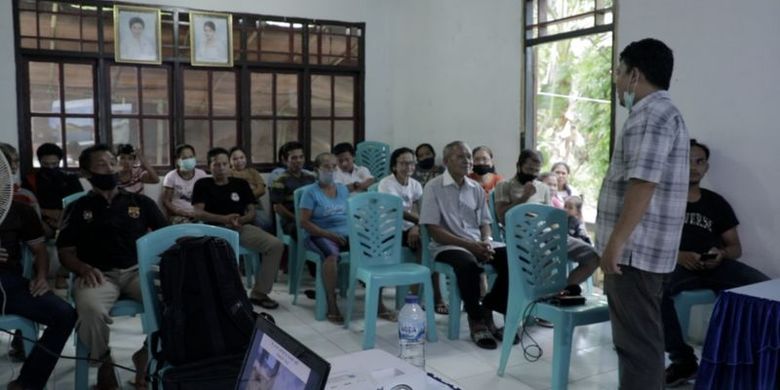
(182,189)
(358,174)
(410,193)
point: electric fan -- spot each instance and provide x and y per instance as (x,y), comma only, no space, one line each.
(6,187)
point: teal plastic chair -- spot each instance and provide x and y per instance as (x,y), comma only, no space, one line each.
(72,198)
(28,327)
(453,292)
(251,265)
(374,187)
(149,248)
(537,261)
(684,301)
(375,156)
(292,254)
(304,255)
(375,258)
(494,226)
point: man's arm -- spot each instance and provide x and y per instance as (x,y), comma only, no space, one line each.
(283,211)
(91,276)
(249,215)
(203,215)
(39,285)
(444,237)
(637,199)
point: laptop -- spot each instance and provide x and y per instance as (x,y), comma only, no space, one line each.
(277,361)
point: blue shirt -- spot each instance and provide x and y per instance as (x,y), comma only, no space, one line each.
(326,212)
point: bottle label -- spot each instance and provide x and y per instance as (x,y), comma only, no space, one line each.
(413,331)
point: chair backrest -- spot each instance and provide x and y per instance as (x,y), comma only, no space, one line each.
(374,187)
(536,250)
(300,232)
(375,229)
(152,245)
(72,198)
(425,241)
(375,156)
(494,226)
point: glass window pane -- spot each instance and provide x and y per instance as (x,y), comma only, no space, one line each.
(261,99)
(28,24)
(343,131)
(78,89)
(80,134)
(124,90)
(44,87)
(157,141)
(196,93)
(196,133)
(262,141)
(320,95)
(89,25)
(155,91)
(44,25)
(225,134)
(66,26)
(344,91)
(125,131)
(320,138)
(275,42)
(286,131)
(286,95)
(224,93)
(44,130)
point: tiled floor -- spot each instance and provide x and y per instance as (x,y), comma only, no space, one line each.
(593,363)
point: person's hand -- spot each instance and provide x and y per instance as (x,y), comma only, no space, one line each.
(713,263)
(91,277)
(39,286)
(689,260)
(609,260)
(483,250)
(529,189)
(413,238)
(231,221)
(338,239)
(3,255)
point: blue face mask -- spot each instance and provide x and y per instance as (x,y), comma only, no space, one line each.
(325,177)
(628,100)
(187,164)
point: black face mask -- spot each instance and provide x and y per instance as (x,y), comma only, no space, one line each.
(103,182)
(483,169)
(426,163)
(524,177)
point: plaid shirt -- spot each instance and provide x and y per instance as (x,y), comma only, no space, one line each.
(653,146)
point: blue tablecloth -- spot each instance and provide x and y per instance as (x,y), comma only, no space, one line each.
(742,349)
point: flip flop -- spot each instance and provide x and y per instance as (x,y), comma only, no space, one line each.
(483,339)
(441,308)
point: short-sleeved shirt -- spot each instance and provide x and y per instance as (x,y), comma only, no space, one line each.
(327,213)
(459,210)
(410,193)
(283,188)
(511,191)
(135,183)
(21,225)
(705,222)
(104,233)
(232,197)
(358,175)
(424,176)
(50,186)
(252,176)
(182,188)
(653,147)
(490,185)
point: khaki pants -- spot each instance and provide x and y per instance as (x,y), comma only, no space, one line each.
(93,305)
(270,248)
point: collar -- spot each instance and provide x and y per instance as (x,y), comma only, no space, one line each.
(447,180)
(657,95)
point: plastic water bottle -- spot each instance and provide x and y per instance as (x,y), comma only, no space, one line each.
(411,332)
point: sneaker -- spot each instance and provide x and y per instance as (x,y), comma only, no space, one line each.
(678,374)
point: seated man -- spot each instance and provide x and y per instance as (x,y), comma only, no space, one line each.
(709,249)
(355,177)
(284,186)
(32,299)
(526,188)
(455,212)
(229,202)
(282,155)
(97,243)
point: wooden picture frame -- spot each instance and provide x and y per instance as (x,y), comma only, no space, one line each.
(137,35)
(211,39)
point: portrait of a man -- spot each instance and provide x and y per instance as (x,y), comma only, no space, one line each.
(137,31)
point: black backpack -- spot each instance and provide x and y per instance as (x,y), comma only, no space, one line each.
(205,312)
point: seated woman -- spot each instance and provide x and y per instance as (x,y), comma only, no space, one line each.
(484,169)
(565,190)
(134,171)
(551,180)
(324,217)
(401,184)
(178,184)
(426,164)
(242,170)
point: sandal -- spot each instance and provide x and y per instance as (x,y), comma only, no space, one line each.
(265,302)
(483,339)
(498,334)
(336,318)
(441,308)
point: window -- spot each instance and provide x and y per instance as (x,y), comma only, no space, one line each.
(292,79)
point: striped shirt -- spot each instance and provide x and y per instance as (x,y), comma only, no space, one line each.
(653,147)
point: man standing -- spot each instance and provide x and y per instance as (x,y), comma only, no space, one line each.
(709,250)
(641,210)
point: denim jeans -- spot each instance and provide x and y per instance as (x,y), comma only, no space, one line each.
(729,274)
(48,309)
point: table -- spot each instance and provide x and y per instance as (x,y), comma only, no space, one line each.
(377,369)
(742,348)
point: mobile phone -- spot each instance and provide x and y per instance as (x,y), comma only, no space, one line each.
(708,256)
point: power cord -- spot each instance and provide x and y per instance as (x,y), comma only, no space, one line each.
(533,351)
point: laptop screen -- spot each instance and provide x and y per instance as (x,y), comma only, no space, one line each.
(276,361)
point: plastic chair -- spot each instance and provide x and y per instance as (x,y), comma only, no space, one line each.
(453,292)
(375,258)
(251,265)
(304,255)
(537,260)
(149,248)
(374,187)
(375,156)
(28,327)
(494,226)
(684,301)
(292,254)
(72,198)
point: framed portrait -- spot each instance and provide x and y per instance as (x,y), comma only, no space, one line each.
(211,39)
(137,35)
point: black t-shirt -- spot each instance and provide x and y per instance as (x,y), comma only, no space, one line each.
(50,186)
(104,233)
(21,224)
(705,221)
(230,198)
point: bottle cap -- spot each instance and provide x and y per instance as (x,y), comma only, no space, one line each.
(411,298)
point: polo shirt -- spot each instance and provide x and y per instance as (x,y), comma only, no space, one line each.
(232,197)
(283,188)
(21,225)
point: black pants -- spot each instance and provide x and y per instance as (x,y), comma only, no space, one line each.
(467,270)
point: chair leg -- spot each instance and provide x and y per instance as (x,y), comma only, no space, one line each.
(683,310)
(430,315)
(372,305)
(454,303)
(350,302)
(249,270)
(29,331)
(298,276)
(400,295)
(292,267)
(82,366)
(561,353)
(321,302)
(511,322)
